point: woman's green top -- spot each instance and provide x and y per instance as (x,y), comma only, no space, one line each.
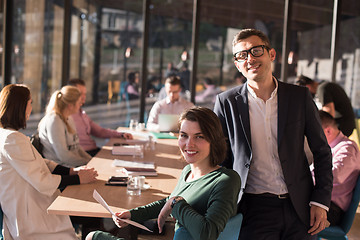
(209,203)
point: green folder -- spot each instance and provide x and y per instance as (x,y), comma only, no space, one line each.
(160,135)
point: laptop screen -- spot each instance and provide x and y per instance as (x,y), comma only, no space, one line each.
(168,122)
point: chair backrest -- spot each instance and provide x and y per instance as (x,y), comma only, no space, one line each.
(349,215)
(232,228)
(230,232)
(1,224)
(36,142)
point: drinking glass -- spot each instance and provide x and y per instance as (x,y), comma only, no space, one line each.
(133,186)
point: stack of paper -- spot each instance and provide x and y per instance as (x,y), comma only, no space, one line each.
(136,168)
(127,150)
(140,171)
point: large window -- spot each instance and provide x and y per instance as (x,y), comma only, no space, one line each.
(105,46)
(84,22)
(37,47)
(1,39)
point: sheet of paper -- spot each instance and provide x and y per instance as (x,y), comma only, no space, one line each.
(100,200)
(125,163)
(136,141)
(127,150)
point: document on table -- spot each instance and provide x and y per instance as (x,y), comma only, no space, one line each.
(127,150)
(136,141)
(100,200)
(125,163)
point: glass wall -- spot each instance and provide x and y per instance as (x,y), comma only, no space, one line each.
(121,34)
(170,30)
(106,47)
(84,21)
(311,40)
(348,52)
(1,39)
(37,47)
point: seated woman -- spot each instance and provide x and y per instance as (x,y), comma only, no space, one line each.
(132,87)
(57,130)
(30,183)
(206,194)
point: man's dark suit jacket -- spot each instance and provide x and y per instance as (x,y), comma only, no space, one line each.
(297,117)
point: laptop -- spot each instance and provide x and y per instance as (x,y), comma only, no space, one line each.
(168,122)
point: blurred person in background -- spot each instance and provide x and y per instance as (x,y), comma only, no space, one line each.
(86,128)
(209,93)
(331,97)
(172,104)
(132,87)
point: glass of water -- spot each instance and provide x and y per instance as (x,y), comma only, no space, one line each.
(134,186)
(133,124)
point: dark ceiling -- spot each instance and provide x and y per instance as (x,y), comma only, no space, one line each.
(306,14)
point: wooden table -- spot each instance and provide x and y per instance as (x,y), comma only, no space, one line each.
(78,201)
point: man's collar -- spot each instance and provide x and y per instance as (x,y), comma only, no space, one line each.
(273,93)
(167,100)
(336,140)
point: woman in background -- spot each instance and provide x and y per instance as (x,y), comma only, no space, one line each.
(132,87)
(206,194)
(30,183)
(57,130)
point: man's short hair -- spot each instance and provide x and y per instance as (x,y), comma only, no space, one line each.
(76,81)
(327,120)
(208,81)
(173,80)
(303,80)
(246,33)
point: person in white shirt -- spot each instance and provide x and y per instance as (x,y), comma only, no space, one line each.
(265,122)
(30,183)
(172,104)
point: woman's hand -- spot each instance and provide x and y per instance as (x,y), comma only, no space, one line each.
(164,213)
(124,215)
(86,174)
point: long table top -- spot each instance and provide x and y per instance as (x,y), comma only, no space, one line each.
(77,200)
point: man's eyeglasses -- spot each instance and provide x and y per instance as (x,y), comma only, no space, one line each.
(256,51)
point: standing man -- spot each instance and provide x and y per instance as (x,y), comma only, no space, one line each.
(172,104)
(332,98)
(86,128)
(265,121)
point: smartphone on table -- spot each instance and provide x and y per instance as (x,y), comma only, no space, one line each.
(117,181)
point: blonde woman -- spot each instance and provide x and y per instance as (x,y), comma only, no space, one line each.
(30,183)
(57,130)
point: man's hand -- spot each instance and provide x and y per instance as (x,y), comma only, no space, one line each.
(318,220)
